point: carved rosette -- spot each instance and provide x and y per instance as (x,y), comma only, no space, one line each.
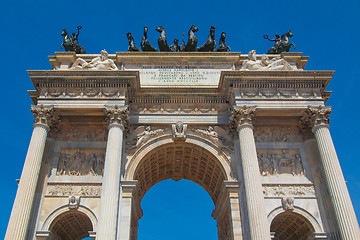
(243,116)
(117,116)
(45,116)
(316,117)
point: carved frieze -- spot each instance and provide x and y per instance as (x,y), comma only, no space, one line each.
(64,189)
(273,162)
(272,190)
(81,162)
(142,135)
(81,132)
(277,134)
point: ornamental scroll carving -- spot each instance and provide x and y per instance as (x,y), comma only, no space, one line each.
(81,162)
(216,135)
(279,94)
(288,190)
(142,135)
(277,134)
(280,161)
(80,93)
(74,190)
(179,109)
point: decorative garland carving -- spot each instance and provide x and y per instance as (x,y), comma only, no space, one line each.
(80,93)
(279,94)
(272,190)
(160,109)
(63,189)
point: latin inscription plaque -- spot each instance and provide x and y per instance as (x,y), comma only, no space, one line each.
(179,76)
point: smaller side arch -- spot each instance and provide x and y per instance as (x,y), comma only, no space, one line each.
(297,210)
(65,208)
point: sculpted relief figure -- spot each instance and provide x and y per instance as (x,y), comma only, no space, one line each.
(287,203)
(179,131)
(276,162)
(143,134)
(265,64)
(216,135)
(79,163)
(99,63)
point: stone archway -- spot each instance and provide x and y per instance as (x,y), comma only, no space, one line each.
(71,225)
(289,225)
(184,160)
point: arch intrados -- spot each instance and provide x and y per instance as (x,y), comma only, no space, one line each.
(300,211)
(72,225)
(193,160)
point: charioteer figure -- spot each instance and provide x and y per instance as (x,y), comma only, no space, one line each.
(71,43)
(281,44)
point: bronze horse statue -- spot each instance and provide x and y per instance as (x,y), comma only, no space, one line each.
(282,44)
(210,44)
(162,41)
(132,47)
(71,43)
(222,44)
(192,40)
(145,44)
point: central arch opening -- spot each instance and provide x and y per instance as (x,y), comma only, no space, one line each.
(178,161)
(177,210)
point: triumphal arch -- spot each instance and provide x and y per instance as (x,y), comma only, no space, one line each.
(252,130)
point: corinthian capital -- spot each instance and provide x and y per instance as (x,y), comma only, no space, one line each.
(44,115)
(316,116)
(117,115)
(244,115)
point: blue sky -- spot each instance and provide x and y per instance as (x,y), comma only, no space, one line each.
(327,31)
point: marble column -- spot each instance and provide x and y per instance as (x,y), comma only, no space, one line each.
(20,218)
(108,216)
(317,119)
(259,228)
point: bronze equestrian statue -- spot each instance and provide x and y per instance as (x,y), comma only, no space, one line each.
(281,44)
(71,43)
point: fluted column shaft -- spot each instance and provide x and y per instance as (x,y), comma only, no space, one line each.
(259,229)
(339,195)
(20,217)
(111,179)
